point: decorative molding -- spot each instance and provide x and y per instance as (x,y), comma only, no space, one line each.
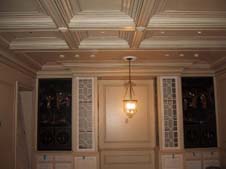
(75,5)
(145,13)
(154,68)
(219,65)
(52,9)
(165,42)
(28,20)
(137,39)
(126,35)
(34,63)
(69,38)
(103,43)
(4,42)
(128,159)
(78,36)
(66,9)
(101,19)
(168,21)
(38,43)
(140,11)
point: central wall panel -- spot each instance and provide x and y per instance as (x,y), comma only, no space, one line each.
(133,140)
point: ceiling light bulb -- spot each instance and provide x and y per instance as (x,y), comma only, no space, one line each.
(77,56)
(196,55)
(167,54)
(61,56)
(92,56)
(181,54)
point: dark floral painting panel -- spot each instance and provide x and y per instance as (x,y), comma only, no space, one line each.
(199,112)
(54,114)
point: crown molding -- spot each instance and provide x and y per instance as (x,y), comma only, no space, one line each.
(101,19)
(4,42)
(28,20)
(103,43)
(38,43)
(147,69)
(9,59)
(220,65)
(32,62)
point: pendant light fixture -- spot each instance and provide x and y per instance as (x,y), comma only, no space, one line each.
(129,103)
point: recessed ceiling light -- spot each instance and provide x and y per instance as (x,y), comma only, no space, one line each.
(61,56)
(196,55)
(92,56)
(199,32)
(77,56)
(166,54)
(181,55)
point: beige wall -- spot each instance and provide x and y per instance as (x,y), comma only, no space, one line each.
(221,103)
(8,78)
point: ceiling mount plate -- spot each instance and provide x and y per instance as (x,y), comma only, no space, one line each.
(129,58)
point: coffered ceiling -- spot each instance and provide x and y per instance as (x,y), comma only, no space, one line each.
(42,33)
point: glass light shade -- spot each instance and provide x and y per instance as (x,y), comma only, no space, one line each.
(130,107)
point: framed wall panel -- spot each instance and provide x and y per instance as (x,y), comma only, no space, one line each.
(115,129)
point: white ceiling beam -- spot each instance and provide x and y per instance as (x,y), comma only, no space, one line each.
(69,38)
(54,10)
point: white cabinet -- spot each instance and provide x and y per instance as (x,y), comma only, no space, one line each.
(201,159)
(85,162)
(53,161)
(174,161)
(193,164)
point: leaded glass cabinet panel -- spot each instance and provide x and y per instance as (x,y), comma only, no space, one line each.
(54,114)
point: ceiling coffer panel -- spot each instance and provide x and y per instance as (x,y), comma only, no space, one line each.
(38,43)
(106,39)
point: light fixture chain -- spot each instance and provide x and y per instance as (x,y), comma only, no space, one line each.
(130,83)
